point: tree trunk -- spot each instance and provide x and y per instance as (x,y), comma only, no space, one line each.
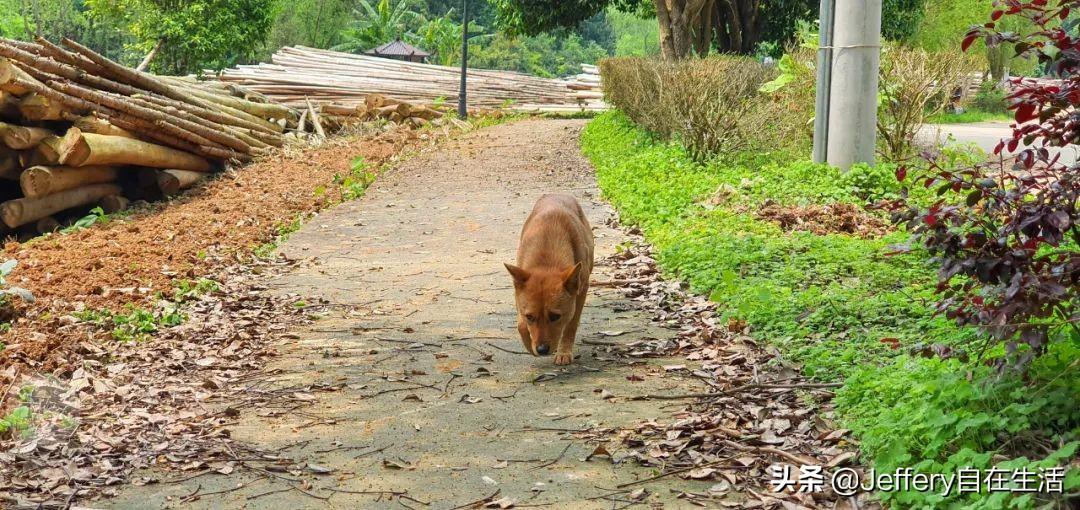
(83,149)
(99,126)
(47,152)
(9,164)
(13,79)
(113,203)
(46,225)
(171,181)
(39,181)
(677,20)
(38,107)
(9,106)
(739,30)
(21,211)
(703,28)
(150,56)
(21,137)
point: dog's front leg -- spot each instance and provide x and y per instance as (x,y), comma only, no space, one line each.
(564,355)
(526,338)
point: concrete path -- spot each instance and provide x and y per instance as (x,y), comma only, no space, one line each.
(432,403)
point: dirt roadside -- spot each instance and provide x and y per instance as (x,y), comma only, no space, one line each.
(134,257)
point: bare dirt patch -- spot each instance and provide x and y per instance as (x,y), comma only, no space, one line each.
(131,259)
(838,218)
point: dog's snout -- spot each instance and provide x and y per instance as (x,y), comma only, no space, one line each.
(542,349)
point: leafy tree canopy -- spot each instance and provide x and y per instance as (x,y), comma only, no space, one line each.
(194,34)
(533,17)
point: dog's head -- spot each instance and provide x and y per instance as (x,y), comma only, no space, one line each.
(545,303)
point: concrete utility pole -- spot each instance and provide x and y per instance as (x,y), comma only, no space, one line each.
(463,103)
(824,80)
(851,93)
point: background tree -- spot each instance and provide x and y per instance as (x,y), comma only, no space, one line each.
(376,24)
(315,23)
(689,27)
(53,19)
(191,35)
(946,18)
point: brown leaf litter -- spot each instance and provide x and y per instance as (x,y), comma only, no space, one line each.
(165,400)
(757,413)
(133,258)
(836,218)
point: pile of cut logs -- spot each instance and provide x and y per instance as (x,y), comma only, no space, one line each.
(298,73)
(79,130)
(377,106)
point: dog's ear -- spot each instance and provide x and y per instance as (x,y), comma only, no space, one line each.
(570,278)
(520,275)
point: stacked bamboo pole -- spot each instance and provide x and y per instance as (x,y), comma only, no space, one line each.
(78,130)
(298,74)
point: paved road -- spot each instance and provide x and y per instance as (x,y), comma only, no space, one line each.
(984,134)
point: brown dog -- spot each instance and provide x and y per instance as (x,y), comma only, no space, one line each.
(551,278)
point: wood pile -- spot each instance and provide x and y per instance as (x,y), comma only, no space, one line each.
(79,130)
(298,73)
(374,107)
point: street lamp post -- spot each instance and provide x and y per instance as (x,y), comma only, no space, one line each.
(462,105)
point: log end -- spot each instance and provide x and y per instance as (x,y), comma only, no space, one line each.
(74,150)
(36,181)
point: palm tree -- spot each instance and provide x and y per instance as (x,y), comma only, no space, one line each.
(378,24)
(442,36)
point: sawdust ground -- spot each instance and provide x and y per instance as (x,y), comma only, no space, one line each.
(134,257)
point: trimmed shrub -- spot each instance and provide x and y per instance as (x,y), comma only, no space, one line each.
(712,105)
(915,84)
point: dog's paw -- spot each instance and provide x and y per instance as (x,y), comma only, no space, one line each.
(564,358)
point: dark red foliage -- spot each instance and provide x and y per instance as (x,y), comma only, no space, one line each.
(1006,235)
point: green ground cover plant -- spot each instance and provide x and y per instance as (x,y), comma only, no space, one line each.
(844,307)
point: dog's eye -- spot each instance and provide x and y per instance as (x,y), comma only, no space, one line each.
(530,318)
(554,317)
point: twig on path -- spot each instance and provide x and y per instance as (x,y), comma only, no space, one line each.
(512,395)
(618,282)
(343,448)
(409,342)
(186,478)
(399,494)
(669,473)
(275,491)
(446,387)
(3,396)
(598,342)
(372,452)
(798,459)
(477,502)
(196,495)
(503,349)
(737,389)
(556,459)
(551,429)
(417,386)
(316,496)
(71,497)
(547,376)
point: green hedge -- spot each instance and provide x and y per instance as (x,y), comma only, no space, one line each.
(713,105)
(827,301)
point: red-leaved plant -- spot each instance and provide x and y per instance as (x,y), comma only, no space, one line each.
(1006,234)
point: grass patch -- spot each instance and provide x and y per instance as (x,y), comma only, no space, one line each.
(968,117)
(837,305)
(133,323)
